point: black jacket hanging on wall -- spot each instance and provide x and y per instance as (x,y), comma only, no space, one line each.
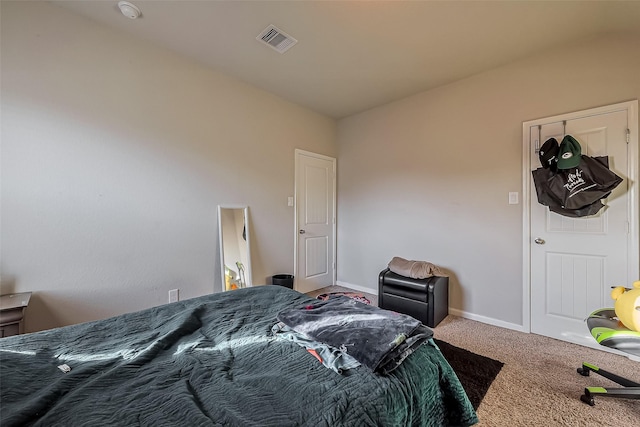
(576,191)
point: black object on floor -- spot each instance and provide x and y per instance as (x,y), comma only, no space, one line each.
(285,280)
(424,299)
(475,372)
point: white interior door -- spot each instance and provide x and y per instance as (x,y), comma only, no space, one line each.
(315,221)
(576,261)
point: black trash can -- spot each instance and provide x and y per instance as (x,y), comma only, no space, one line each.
(285,280)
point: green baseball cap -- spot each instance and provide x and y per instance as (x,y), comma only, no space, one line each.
(569,153)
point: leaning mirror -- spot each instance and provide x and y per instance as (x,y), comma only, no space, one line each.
(235,250)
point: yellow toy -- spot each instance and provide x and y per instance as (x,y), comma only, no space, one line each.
(627,305)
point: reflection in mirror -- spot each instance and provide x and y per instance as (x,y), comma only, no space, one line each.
(235,251)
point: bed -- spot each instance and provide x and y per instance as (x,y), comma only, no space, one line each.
(212,360)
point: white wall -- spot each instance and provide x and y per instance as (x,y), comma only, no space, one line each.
(428,177)
(115,155)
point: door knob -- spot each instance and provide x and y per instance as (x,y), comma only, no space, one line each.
(302,231)
(539,241)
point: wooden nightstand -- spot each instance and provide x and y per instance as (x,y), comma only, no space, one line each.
(12,308)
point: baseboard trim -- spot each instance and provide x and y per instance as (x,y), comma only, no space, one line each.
(357,287)
(487,320)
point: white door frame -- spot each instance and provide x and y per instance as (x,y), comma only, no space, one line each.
(298,153)
(634,239)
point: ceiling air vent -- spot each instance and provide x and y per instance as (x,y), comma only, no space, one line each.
(277,39)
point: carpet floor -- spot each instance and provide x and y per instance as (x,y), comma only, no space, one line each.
(538,384)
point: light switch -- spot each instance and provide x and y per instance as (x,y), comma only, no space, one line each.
(289,201)
(513,198)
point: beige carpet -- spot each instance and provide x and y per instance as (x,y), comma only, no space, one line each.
(538,385)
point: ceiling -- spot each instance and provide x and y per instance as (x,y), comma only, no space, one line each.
(354,55)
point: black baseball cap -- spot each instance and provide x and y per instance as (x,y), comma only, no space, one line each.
(548,153)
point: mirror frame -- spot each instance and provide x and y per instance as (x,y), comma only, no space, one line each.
(247,267)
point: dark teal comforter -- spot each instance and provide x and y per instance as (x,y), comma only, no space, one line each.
(212,361)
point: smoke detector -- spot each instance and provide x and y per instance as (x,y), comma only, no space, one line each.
(276,39)
(129,10)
